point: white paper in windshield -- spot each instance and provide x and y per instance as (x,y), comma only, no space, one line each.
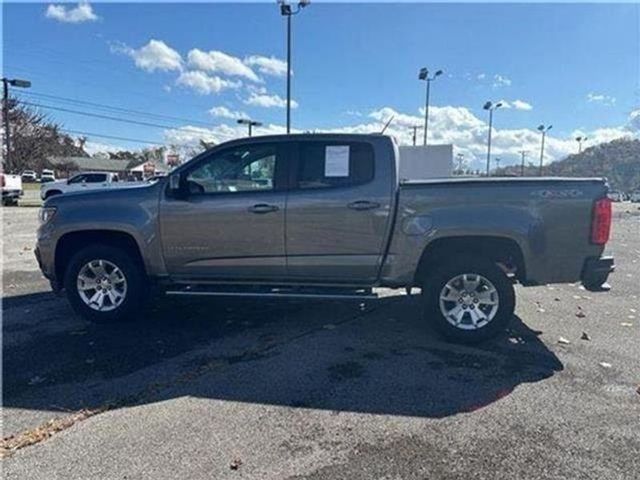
(336,161)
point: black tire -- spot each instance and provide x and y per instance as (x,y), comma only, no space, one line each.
(436,282)
(134,275)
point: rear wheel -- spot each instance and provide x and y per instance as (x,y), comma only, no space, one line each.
(104,284)
(469,299)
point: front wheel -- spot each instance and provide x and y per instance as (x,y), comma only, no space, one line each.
(469,300)
(104,284)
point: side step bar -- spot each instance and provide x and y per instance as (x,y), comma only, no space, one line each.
(331,293)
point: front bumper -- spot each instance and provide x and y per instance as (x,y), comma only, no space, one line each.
(595,272)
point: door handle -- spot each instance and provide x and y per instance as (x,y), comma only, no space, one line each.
(263,208)
(363,205)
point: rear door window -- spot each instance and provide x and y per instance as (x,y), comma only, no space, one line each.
(334,164)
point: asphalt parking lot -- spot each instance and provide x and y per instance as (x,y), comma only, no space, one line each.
(320,390)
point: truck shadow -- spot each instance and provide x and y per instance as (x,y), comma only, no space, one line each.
(379,358)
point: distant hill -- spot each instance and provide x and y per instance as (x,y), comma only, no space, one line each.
(618,160)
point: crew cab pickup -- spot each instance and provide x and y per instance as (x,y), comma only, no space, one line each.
(80,182)
(324,215)
(11,188)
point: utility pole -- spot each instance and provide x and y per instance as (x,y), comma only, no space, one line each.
(523,154)
(287,11)
(543,129)
(415,133)
(15,82)
(460,157)
(424,75)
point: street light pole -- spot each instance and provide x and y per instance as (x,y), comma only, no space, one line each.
(523,153)
(490,106)
(15,82)
(424,75)
(249,123)
(581,139)
(287,11)
(543,129)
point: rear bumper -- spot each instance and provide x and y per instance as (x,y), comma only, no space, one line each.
(11,193)
(595,273)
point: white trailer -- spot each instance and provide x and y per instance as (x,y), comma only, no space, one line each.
(420,162)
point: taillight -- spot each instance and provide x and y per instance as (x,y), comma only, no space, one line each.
(4,184)
(601,221)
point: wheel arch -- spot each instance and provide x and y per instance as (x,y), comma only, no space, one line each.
(72,242)
(504,251)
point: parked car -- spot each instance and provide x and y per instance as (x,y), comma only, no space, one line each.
(325,216)
(80,182)
(11,188)
(47,176)
(616,196)
(635,196)
(29,176)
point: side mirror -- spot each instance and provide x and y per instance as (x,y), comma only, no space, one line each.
(175,187)
(174,182)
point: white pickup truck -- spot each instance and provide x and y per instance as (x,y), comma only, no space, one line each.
(11,189)
(79,182)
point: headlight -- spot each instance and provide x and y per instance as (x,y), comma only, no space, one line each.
(46,214)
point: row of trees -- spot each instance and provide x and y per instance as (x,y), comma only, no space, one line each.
(34,138)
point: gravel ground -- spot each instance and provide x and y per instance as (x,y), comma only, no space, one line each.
(321,390)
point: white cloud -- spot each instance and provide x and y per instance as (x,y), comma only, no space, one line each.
(602,99)
(268,65)
(501,81)
(81,13)
(447,125)
(155,55)
(268,101)
(224,112)
(521,105)
(219,62)
(481,76)
(205,84)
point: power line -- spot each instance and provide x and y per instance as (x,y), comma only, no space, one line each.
(113,108)
(108,117)
(112,137)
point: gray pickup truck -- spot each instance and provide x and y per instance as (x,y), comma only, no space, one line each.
(324,215)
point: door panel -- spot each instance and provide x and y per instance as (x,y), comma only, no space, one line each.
(335,228)
(231,223)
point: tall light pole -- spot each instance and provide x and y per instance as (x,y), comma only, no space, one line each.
(580,139)
(490,106)
(543,129)
(14,82)
(249,123)
(523,153)
(424,75)
(287,11)
(415,133)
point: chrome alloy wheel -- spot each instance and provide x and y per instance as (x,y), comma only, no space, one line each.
(101,285)
(469,301)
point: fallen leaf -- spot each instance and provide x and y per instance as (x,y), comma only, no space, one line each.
(585,336)
(605,365)
(235,464)
(580,314)
(563,341)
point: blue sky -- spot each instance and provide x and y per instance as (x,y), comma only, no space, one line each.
(574,66)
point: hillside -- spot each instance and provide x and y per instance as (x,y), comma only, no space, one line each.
(618,160)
